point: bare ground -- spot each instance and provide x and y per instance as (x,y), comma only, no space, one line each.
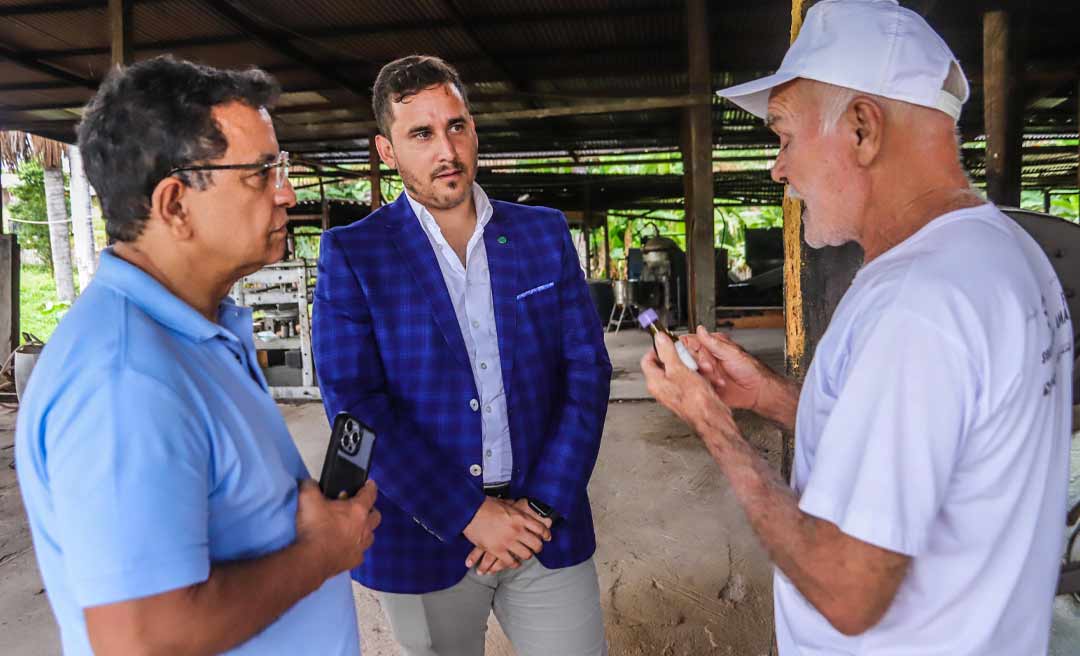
(680,572)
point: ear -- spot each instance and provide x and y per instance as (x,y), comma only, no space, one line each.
(386,151)
(866,120)
(167,204)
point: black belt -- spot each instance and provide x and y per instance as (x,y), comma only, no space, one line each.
(498,490)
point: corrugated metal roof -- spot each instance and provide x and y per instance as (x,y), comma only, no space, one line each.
(513,54)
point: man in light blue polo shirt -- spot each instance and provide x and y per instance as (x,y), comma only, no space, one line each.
(163,489)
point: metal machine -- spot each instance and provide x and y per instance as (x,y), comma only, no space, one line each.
(765,288)
(1060,240)
(279,296)
(665,265)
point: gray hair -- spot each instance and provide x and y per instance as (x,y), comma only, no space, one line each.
(833,101)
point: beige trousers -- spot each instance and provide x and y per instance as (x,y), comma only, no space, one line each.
(544,612)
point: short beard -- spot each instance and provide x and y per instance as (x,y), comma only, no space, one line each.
(434,201)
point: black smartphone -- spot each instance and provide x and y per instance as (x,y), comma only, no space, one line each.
(348,457)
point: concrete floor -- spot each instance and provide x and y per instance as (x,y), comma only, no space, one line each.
(680,571)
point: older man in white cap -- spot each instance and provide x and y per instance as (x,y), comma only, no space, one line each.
(927,502)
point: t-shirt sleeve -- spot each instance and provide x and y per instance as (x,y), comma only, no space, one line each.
(128,468)
(890,445)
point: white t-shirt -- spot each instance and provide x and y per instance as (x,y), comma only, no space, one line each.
(934,422)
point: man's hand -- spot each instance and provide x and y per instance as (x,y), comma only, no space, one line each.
(504,534)
(738,377)
(741,380)
(688,395)
(340,531)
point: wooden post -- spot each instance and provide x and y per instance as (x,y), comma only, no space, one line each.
(1003,103)
(9,295)
(376,175)
(794,249)
(700,233)
(324,205)
(120,32)
(1046,200)
(814,281)
(587,227)
(607,248)
(586,237)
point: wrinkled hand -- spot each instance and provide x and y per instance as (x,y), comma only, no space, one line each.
(689,395)
(739,379)
(505,534)
(341,530)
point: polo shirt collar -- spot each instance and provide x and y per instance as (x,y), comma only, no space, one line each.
(162,305)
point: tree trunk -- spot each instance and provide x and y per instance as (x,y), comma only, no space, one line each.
(81,224)
(59,234)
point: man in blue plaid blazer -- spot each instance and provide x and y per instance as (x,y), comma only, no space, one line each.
(461,330)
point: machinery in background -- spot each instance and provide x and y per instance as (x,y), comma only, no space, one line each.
(1060,240)
(665,265)
(280,296)
(765,287)
(656,278)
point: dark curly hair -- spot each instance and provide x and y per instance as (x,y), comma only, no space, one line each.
(406,77)
(152,117)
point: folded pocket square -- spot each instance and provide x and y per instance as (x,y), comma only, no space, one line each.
(535,290)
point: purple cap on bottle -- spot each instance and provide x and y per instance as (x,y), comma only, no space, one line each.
(647,318)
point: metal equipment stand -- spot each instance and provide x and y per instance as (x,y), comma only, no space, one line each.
(279,297)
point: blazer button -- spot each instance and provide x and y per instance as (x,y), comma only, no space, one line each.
(474,404)
(476,470)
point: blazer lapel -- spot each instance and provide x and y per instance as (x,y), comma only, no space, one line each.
(501,245)
(412,242)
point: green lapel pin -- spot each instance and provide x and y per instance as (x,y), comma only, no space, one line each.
(502,239)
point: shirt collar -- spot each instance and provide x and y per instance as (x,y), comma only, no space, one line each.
(162,305)
(480,200)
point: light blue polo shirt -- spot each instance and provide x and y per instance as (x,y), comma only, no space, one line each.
(148,448)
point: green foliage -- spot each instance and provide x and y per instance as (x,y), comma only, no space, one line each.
(29,205)
(355,190)
(39,311)
(1067,206)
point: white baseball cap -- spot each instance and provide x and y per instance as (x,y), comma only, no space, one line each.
(872,46)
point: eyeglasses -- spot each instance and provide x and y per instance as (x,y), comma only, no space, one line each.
(280,166)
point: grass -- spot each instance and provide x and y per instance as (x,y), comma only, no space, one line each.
(39,309)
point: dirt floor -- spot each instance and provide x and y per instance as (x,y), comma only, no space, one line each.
(680,571)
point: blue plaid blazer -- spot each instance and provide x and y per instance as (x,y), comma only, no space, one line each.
(388,349)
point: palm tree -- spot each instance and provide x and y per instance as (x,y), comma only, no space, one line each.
(81,224)
(19,146)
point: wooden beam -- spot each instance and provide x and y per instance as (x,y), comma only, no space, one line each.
(700,228)
(240,19)
(359,129)
(34,64)
(516,83)
(120,33)
(386,29)
(51,8)
(375,175)
(1003,86)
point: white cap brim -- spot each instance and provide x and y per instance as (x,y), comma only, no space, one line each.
(753,96)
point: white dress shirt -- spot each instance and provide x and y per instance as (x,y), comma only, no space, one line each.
(469,287)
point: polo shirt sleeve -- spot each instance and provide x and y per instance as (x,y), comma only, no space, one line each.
(128,468)
(890,445)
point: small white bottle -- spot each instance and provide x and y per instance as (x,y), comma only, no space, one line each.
(650,321)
